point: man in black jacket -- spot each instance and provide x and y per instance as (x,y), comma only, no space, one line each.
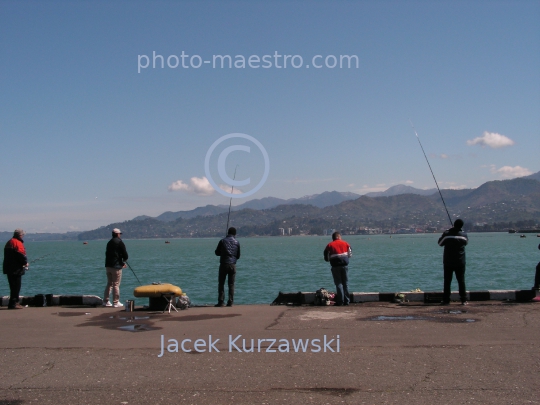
(454,241)
(228,249)
(537,276)
(115,258)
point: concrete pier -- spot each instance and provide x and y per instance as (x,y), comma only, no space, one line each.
(486,352)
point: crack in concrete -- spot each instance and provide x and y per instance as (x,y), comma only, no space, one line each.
(48,366)
(276,321)
(339,392)
(524,315)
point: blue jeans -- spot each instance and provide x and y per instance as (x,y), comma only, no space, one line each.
(341,280)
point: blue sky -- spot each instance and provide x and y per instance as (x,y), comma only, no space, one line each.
(90,138)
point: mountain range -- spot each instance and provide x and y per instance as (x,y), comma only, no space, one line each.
(535,176)
(494,205)
(322,200)
(401,189)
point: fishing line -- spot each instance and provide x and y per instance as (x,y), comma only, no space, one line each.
(417,137)
(39,258)
(230,202)
(134,274)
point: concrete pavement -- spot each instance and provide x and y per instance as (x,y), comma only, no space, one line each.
(487,352)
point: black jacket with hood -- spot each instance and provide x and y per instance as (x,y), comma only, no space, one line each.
(454,241)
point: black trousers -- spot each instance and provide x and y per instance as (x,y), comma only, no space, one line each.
(449,271)
(14,281)
(226,271)
(537,276)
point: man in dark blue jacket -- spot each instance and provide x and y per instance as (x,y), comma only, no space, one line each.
(228,249)
(454,241)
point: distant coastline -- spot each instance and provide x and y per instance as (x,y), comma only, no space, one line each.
(63,237)
(495,206)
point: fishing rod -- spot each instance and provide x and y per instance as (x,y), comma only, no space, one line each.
(39,258)
(134,274)
(230,203)
(417,137)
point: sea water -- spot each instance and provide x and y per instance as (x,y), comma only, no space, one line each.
(268,265)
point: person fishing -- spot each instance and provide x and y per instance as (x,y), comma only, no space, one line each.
(454,241)
(14,266)
(228,249)
(115,260)
(338,253)
(537,276)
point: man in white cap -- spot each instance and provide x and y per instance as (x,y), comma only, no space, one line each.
(14,266)
(115,258)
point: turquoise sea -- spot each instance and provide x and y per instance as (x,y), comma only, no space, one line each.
(380,263)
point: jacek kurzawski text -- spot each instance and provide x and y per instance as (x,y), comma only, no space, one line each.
(238,344)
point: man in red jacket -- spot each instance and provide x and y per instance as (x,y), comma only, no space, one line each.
(14,266)
(337,253)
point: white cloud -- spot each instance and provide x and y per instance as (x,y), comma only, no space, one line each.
(455,186)
(409,182)
(444,156)
(197,185)
(491,139)
(201,186)
(509,172)
(368,189)
(178,185)
(227,188)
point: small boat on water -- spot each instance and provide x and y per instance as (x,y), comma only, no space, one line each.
(85,243)
(167,241)
(522,236)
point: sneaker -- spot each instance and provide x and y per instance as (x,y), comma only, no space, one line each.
(464,303)
(229,304)
(118,305)
(220,304)
(16,306)
(107,304)
(445,303)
